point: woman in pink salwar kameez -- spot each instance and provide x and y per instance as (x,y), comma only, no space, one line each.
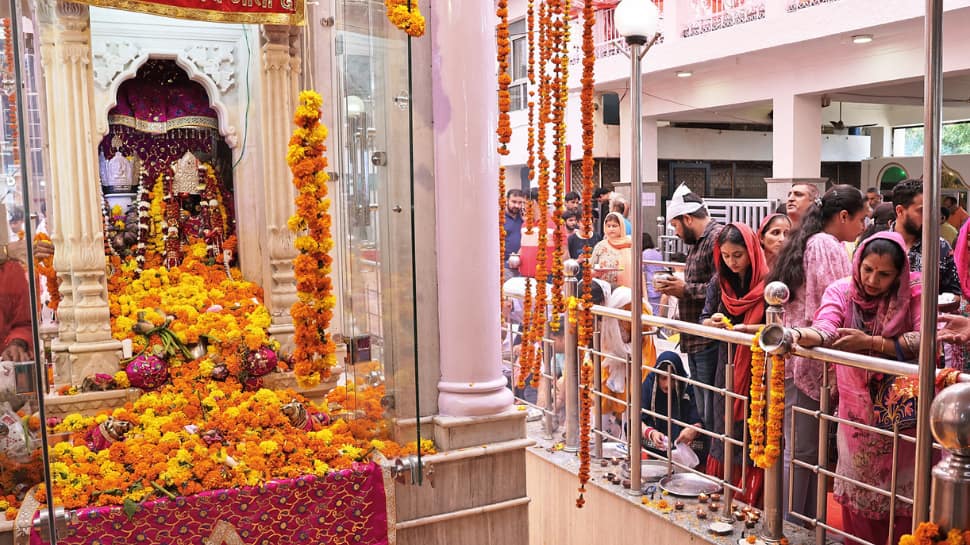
(875,312)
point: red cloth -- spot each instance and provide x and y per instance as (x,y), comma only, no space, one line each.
(754,480)
(750,307)
(347,506)
(14,305)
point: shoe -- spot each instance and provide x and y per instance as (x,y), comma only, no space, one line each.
(533,414)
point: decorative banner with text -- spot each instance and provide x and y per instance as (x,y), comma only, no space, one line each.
(264,12)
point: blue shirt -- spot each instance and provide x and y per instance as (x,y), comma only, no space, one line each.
(513,234)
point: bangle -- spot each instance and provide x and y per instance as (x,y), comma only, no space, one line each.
(882,346)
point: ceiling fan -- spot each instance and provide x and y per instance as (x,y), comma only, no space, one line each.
(841,126)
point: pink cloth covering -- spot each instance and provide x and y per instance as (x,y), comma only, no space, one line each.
(346,506)
(825,261)
(863,455)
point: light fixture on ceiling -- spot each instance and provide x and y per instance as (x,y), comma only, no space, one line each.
(862,38)
(684,73)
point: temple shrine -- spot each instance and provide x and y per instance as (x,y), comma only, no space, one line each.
(228,330)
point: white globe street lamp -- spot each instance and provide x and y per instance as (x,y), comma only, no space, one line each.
(637,21)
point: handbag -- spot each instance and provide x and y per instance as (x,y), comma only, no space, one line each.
(893,399)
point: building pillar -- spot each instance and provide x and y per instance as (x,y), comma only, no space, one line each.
(626,138)
(280,68)
(796,137)
(466,170)
(651,149)
(85,329)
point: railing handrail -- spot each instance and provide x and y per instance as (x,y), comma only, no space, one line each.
(869,363)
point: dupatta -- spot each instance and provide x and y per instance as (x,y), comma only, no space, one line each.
(750,306)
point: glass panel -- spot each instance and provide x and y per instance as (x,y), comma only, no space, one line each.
(25,355)
(372,99)
(520,58)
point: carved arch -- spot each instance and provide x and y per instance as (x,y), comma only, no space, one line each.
(227,131)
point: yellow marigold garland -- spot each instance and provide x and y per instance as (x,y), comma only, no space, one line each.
(405,15)
(766,434)
(314,354)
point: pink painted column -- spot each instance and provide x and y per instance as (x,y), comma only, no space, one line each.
(466,206)
(797,136)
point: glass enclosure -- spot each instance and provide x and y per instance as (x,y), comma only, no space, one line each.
(367,91)
(371,100)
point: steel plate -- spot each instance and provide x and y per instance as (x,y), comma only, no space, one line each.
(688,485)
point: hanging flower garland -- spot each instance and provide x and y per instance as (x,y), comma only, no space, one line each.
(583,311)
(587,112)
(314,354)
(45,268)
(928,533)
(504,125)
(560,100)
(586,408)
(531,72)
(540,214)
(526,348)
(405,15)
(766,433)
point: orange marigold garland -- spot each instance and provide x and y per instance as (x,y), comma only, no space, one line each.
(585,315)
(314,354)
(526,351)
(531,142)
(929,533)
(560,100)
(766,433)
(588,162)
(405,15)
(45,267)
(541,215)
(504,125)
(585,407)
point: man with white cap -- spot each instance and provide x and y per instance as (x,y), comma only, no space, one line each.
(697,229)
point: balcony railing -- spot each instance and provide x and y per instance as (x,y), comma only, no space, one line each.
(711,15)
(795,5)
(607,41)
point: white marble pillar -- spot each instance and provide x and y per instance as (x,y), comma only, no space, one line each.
(280,71)
(85,328)
(466,170)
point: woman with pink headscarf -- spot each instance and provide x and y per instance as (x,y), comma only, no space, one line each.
(875,312)
(959,356)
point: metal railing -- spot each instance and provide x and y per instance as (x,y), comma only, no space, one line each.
(711,15)
(777,502)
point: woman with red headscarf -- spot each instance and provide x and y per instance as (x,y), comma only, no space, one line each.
(736,293)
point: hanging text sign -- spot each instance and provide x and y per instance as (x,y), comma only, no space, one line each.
(264,12)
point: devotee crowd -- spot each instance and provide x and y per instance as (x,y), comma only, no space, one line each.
(852,262)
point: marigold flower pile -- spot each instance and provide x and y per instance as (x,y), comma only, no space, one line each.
(197,434)
(928,533)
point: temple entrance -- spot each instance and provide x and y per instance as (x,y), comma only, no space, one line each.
(166,173)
